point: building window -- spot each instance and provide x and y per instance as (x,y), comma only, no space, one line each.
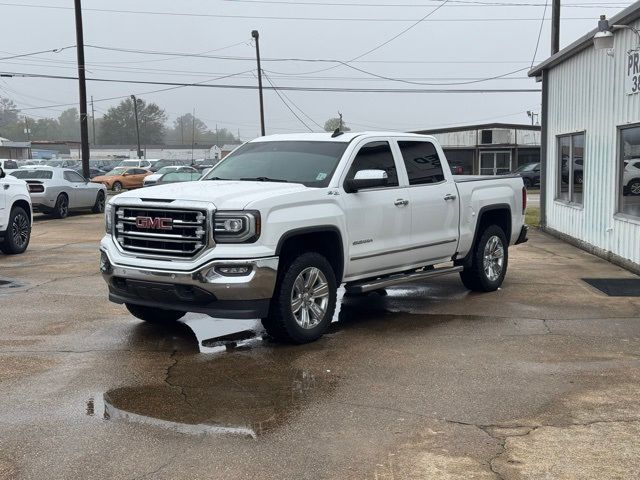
(630,171)
(570,168)
(487,137)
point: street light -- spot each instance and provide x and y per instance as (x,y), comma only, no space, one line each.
(603,39)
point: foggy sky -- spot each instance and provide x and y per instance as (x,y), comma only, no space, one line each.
(508,43)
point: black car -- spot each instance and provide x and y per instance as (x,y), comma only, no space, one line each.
(530,173)
(93,172)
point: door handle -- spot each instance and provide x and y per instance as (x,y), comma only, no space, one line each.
(449,196)
(401,203)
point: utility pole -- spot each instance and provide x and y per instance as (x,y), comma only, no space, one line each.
(82,84)
(27,131)
(217,138)
(193,132)
(93,121)
(555,27)
(256,37)
(135,113)
(181,130)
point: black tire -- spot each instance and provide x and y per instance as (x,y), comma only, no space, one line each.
(153,314)
(116,187)
(577,179)
(282,324)
(61,209)
(476,277)
(633,187)
(18,232)
(98,206)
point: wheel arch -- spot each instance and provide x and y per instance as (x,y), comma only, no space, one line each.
(324,239)
(25,206)
(497,214)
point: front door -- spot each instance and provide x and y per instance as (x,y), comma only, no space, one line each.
(378,219)
(495,163)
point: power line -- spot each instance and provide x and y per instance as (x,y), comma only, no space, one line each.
(286,104)
(292,103)
(544,13)
(21,55)
(265,17)
(460,3)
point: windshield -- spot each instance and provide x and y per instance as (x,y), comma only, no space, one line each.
(309,163)
(33,174)
(529,167)
(116,171)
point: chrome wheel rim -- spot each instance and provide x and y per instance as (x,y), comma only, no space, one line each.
(63,207)
(309,297)
(20,230)
(635,188)
(117,187)
(493,258)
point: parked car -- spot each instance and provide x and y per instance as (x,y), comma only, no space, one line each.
(179,177)
(146,164)
(63,163)
(55,191)
(278,225)
(93,172)
(631,176)
(8,165)
(166,162)
(530,173)
(15,214)
(122,177)
(153,178)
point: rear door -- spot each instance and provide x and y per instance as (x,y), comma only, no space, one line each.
(378,219)
(434,201)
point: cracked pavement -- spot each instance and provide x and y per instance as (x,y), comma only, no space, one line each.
(539,380)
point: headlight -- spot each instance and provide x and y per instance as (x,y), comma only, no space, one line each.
(108,218)
(236,227)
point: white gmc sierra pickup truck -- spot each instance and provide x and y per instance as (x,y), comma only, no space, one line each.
(278,225)
(15,214)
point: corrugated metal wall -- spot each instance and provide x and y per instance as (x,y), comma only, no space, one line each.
(586,93)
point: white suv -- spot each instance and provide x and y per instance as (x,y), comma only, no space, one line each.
(15,214)
(631,176)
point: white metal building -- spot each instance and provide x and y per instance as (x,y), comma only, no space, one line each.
(591,142)
(490,148)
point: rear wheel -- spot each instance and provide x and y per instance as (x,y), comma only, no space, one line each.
(19,232)
(490,257)
(61,209)
(116,187)
(153,314)
(98,207)
(305,300)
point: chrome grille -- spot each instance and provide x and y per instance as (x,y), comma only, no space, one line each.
(162,231)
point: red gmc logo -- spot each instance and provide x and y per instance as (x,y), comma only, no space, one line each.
(156,223)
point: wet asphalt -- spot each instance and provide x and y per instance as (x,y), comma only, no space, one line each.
(537,380)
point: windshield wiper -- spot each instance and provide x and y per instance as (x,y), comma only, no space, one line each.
(216,178)
(263,179)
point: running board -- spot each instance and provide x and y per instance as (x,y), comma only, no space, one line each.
(370,285)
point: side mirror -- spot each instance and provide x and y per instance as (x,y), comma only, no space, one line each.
(2,174)
(366,179)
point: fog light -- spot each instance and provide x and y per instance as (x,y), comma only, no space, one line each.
(105,264)
(233,270)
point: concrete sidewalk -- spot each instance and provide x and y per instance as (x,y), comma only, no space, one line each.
(537,380)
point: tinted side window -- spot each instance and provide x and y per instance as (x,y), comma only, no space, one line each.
(73,177)
(137,171)
(375,156)
(10,165)
(422,162)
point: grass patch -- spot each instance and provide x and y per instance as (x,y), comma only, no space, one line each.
(532,216)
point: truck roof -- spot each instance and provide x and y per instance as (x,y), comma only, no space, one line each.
(326,136)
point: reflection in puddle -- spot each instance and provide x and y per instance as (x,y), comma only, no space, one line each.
(230,394)
(216,335)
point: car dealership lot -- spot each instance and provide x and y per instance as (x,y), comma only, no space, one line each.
(430,381)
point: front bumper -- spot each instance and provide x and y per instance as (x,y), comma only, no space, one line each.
(202,290)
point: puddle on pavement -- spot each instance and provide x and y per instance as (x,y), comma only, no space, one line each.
(241,394)
(6,283)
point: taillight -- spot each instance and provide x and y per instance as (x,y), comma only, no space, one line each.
(524,200)
(36,188)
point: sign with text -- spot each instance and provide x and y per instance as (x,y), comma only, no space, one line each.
(632,81)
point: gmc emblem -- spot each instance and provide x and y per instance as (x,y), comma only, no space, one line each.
(155,223)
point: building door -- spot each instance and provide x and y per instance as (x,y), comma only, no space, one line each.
(495,163)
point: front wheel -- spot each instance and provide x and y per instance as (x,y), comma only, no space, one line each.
(18,234)
(98,206)
(490,257)
(304,301)
(153,314)
(633,186)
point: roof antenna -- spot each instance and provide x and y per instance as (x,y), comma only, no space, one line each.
(338,131)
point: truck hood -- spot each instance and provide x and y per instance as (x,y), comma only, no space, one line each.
(224,194)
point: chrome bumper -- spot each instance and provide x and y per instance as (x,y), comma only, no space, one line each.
(204,289)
